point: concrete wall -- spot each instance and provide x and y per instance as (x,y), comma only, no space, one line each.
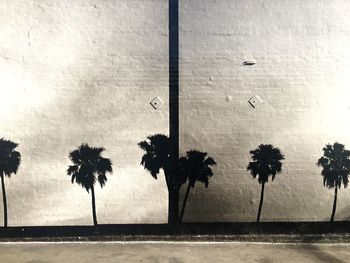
(85,71)
(82,71)
(302,75)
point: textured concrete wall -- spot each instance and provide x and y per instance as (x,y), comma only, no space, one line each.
(302,74)
(85,71)
(82,71)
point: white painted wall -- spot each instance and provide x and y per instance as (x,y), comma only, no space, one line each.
(302,74)
(82,71)
(85,71)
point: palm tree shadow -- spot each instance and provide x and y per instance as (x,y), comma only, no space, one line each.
(195,166)
(88,167)
(266,162)
(157,156)
(335,164)
(10,160)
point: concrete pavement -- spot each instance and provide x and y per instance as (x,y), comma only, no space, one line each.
(172,252)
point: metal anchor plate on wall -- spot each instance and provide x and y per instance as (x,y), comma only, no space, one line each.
(255,101)
(156,103)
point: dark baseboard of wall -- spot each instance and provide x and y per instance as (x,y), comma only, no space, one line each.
(262,232)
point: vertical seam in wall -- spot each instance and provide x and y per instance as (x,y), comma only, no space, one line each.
(174,80)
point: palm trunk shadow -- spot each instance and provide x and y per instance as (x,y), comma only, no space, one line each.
(93,203)
(261,202)
(184,202)
(334,203)
(4,200)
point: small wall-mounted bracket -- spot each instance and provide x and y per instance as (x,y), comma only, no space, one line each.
(156,103)
(255,101)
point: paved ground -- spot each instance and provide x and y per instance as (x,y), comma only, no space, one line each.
(99,252)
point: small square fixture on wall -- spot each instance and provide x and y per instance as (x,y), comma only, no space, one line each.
(156,103)
(255,101)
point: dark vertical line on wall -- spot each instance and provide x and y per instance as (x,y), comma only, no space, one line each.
(173,209)
(174,77)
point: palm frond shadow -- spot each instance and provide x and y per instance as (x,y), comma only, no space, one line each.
(196,166)
(157,156)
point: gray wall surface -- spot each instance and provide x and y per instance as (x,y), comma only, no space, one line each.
(82,71)
(85,71)
(302,55)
